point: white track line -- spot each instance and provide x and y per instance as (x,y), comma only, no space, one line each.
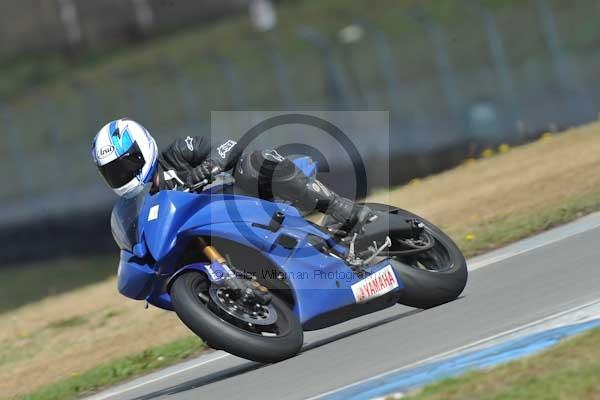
(540,240)
(584,224)
(116,392)
(460,349)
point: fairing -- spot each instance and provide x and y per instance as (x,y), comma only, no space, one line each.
(320,283)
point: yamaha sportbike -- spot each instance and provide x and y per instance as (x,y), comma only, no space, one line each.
(249,276)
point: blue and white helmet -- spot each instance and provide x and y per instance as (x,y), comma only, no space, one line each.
(126,156)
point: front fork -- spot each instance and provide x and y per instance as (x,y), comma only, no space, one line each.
(219,270)
(249,290)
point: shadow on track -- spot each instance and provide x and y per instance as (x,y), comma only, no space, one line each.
(252,366)
(350,332)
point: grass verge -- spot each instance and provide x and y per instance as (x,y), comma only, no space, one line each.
(482,204)
(494,234)
(24,284)
(570,371)
(118,370)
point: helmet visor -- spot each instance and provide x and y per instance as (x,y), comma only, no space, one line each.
(119,172)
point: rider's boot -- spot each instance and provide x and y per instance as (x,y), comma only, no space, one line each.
(351,215)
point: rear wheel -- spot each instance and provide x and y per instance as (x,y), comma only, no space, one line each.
(263,333)
(431,277)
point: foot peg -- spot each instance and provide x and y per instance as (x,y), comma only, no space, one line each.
(387,244)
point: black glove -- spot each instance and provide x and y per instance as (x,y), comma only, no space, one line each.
(202,175)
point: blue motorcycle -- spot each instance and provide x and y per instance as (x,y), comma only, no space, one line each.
(249,276)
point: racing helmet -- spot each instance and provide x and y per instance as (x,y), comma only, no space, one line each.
(126,156)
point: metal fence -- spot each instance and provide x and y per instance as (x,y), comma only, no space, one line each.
(496,76)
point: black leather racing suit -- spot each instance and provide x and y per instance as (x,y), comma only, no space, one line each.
(264,174)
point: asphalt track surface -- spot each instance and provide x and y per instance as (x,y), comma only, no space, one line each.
(525,282)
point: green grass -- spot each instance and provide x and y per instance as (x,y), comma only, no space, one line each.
(195,53)
(23,284)
(68,322)
(118,370)
(569,371)
(180,79)
(501,232)
(236,38)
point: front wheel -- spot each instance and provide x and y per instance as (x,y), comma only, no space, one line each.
(265,334)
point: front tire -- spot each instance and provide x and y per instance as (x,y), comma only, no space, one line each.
(201,318)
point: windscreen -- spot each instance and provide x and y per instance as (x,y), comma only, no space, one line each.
(124,220)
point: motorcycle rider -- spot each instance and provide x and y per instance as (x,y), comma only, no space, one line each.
(127,157)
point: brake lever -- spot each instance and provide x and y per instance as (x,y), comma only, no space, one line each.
(197,186)
(214,170)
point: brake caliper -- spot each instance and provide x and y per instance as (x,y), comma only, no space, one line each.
(250,291)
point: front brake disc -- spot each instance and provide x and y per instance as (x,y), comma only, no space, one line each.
(255,314)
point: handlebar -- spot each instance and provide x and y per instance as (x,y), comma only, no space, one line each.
(214,171)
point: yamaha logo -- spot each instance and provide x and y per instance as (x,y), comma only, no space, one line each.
(105,151)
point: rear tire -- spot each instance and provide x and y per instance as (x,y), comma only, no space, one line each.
(425,288)
(220,334)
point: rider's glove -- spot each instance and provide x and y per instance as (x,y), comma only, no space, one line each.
(203,174)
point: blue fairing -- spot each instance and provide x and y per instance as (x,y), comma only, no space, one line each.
(168,215)
(320,283)
(136,280)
